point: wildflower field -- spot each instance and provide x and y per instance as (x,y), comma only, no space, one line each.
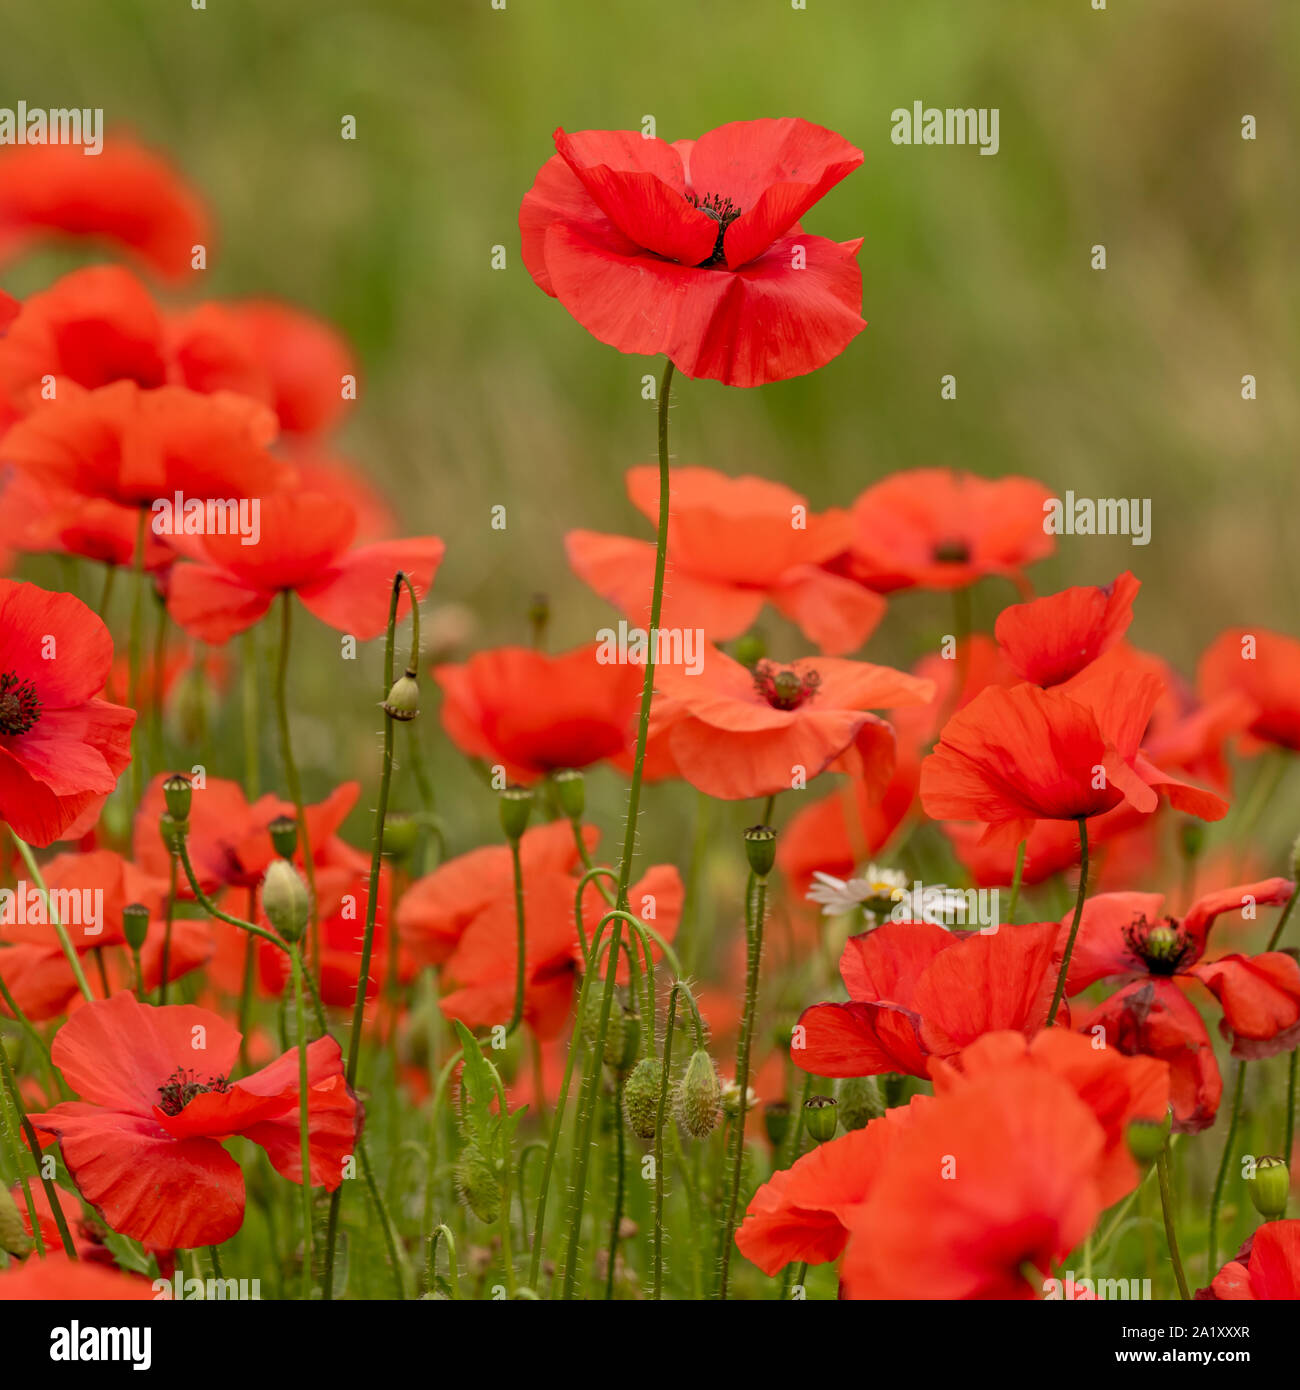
(649,653)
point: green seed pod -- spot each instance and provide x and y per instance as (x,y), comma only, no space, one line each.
(699,1096)
(401,835)
(571,791)
(135,924)
(284,836)
(776,1120)
(1270,1188)
(404,698)
(821,1117)
(516,807)
(177,793)
(14,1239)
(641,1097)
(285,900)
(621,1045)
(478,1185)
(860,1102)
(760,846)
(1147,1138)
(172,832)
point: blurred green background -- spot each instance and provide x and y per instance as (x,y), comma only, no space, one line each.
(1119,126)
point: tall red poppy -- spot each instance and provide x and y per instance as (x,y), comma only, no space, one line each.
(126,195)
(933,528)
(1048,640)
(144,1144)
(1267,1267)
(735,732)
(1265,667)
(694,249)
(304,547)
(62,747)
(533,713)
(734,544)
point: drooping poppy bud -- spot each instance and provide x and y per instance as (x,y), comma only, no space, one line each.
(177,793)
(401,835)
(404,698)
(284,836)
(516,807)
(699,1096)
(571,790)
(641,1097)
(760,847)
(478,1185)
(1270,1188)
(135,924)
(821,1116)
(621,1043)
(285,900)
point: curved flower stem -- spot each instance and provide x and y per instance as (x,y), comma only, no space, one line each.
(1015,881)
(1171,1235)
(1074,925)
(136,643)
(756,910)
(1234,1115)
(51,1192)
(593,874)
(304,1121)
(74,961)
(444,1234)
(291,766)
(167,932)
(372,902)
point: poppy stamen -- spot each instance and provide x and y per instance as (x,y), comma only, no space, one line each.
(182,1086)
(952,552)
(784,687)
(1162,946)
(724,212)
(20,705)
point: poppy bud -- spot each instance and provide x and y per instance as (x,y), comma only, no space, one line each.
(860,1102)
(478,1185)
(404,698)
(622,1042)
(760,846)
(699,1097)
(172,832)
(14,1239)
(177,793)
(516,807)
(750,649)
(1146,1138)
(641,1097)
(821,1116)
(571,789)
(135,924)
(285,900)
(776,1120)
(400,835)
(1270,1188)
(284,836)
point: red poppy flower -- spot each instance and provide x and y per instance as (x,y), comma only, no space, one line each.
(436,910)
(1050,639)
(933,528)
(532,713)
(801,1213)
(1124,937)
(303,547)
(144,1143)
(56,1278)
(43,519)
(734,544)
(133,447)
(1267,1267)
(125,195)
(917,991)
(62,748)
(229,841)
(1025,1151)
(89,891)
(1014,757)
(1116,1088)
(694,249)
(737,733)
(1265,667)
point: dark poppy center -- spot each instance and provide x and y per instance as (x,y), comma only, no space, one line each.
(724,212)
(182,1086)
(784,687)
(1162,946)
(952,552)
(20,705)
